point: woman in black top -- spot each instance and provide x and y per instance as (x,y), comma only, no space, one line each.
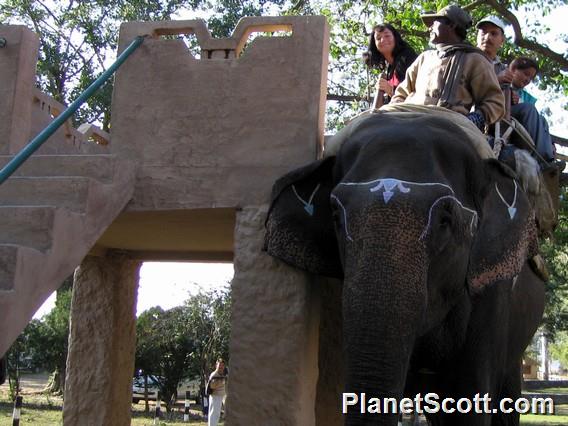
(389,52)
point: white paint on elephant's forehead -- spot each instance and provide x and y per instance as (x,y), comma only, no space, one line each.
(472,223)
(389,184)
(510,207)
(392,182)
(344,216)
(308,205)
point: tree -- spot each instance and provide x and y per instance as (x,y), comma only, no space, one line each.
(78,38)
(78,42)
(555,252)
(209,320)
(48,341)
(350,20)
(182,342)
(14,362)
(163,349)
(559,349)
(43,343)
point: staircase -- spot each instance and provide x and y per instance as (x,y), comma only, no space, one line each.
(52,211)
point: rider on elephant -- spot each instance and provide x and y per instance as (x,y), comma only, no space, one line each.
(456,75)
(490,39)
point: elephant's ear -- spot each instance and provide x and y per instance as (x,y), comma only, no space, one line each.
(506,236)
(299,226)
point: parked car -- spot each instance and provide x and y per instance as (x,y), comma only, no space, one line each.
(138,389)
(153,388)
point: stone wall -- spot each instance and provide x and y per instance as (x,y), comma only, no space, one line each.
(216,132)
(17,68)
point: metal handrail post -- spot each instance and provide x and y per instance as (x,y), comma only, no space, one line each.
(36,142)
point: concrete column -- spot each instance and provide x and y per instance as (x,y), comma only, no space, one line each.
(274,334)
(102,341)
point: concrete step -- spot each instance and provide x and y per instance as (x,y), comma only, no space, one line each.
(99,167)
(8,265)
(17,262)
(29,226)
(64,192)
(55,221)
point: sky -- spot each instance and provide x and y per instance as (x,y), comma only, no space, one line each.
(168,284)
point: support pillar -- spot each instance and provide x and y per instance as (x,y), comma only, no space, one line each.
(274,334)
(102,342)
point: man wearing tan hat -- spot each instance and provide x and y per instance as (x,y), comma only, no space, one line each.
(455,75)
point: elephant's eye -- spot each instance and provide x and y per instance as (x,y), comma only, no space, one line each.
(445,219)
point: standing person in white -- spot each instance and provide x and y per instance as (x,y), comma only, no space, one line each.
(216,385)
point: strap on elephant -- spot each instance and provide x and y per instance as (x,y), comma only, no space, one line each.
(547,204)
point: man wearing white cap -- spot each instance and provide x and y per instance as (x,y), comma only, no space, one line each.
(456,75)
(490,39)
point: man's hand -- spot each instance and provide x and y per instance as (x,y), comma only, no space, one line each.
(505,76)
(384,85)
(514,97)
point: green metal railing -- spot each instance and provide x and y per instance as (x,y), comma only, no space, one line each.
(36,142)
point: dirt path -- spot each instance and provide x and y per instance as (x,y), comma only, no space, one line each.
(30,383)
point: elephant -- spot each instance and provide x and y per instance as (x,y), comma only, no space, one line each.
(432,244)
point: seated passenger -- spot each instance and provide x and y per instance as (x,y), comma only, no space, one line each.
(524,71)
(490,39)
(455,75)
(389,52)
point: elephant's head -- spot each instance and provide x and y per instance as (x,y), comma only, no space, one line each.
(414,222)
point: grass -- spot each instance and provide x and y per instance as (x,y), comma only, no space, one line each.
(39,409)
(560,418)
(36,410)
(44,410)
(563,391)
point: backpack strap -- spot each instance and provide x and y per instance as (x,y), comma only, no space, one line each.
(451,79)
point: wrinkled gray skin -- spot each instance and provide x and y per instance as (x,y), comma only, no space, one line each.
(432,244)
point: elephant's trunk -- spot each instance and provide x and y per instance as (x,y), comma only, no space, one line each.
(384,301)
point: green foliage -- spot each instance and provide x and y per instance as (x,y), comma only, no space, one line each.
(78,39)
(351,20)
(43,343)
(224,14)
(559,348)
(165,346)
(555,251)
(183,342)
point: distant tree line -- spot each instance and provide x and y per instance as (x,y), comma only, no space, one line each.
(181,343)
